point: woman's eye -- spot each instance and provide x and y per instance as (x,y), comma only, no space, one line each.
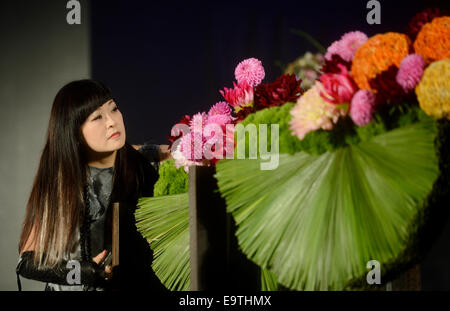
(97,118)
(115,108)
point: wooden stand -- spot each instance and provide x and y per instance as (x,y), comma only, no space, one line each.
(215,261)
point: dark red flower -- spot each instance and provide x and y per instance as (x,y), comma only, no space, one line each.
(332,66)
(387,87)
(243,113)
(172,138)
(422,18)
(284,89)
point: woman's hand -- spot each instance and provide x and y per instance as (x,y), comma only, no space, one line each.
(99,258)
(164,153)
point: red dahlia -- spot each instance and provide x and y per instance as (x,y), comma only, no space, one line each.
(422,18)
(173,137)
(387,87)
(332,66)
(284,89)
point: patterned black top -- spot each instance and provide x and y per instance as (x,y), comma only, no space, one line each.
(100,184)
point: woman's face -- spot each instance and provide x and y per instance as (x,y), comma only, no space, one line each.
(103,130)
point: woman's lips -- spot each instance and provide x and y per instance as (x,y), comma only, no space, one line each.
(114,135)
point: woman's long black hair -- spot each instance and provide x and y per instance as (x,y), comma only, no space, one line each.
(56,206)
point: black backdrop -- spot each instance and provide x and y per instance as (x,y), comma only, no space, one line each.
(166,59)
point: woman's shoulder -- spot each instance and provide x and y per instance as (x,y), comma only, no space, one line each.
(149,150)
(146,167)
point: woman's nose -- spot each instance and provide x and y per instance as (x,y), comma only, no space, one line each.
(110,120)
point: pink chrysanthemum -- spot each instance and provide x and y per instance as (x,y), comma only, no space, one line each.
(312,112)
(192,146)
(220,119)
(362,107)
(251,71)
(349,43)
(220,146)
(198,121)
(219,108)
(346,47)
(332,49)
(410,72)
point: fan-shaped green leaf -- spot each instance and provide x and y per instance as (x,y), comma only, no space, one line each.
(164,222)
(316,220)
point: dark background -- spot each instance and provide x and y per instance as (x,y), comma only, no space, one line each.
(162,60)
(167,59)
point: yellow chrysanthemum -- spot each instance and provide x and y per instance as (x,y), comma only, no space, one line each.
(433,90)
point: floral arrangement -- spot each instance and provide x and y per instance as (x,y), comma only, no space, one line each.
(193,139)
(306,68)
(199,144)
(362,73)
(363,170)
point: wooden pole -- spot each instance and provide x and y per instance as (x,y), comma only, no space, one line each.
(115,235)
(216,262)
(207,228)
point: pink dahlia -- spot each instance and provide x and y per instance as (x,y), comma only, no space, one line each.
(219,108)
(346,47)
(192,146)
(410,72)
(251,71)
(362,107)
(198,121)
(220,119)
(338,88)
(220,146)
(240,96)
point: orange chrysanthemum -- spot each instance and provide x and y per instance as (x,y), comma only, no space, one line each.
(378,54)
(433,40)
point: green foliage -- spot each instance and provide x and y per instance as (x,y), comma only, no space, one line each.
(344,133)
(364,183)
(317,219)
(268,281)
(171,180)
(164,222)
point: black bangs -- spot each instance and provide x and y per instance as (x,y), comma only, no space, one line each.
(88,96)
(72,106)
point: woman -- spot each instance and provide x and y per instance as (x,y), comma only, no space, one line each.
(85,166)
